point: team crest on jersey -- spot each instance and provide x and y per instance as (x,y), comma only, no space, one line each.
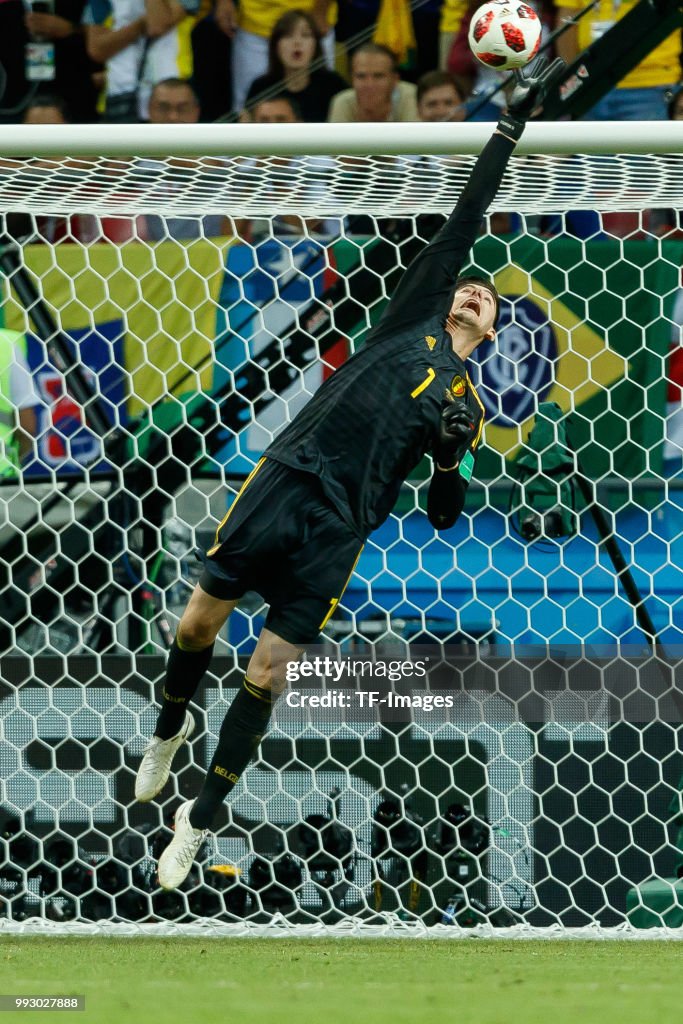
(458,386)
(431,341)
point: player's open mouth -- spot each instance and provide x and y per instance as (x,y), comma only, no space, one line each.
(472,304)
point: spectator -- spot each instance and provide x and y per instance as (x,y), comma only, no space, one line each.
(641,94)
(74,69)
(294,58)
(377,93)
(426,21)
(212,61)
(13,38)
(452,13)
(356,26)
(356,22)
(148,41)
(46,108)
(18,401)
(173,101)
(71,75)
(275,110)
(438,98)
(255,20)
(399,20)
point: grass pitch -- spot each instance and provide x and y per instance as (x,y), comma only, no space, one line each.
(381,981)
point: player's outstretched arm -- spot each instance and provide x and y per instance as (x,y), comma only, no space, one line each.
(426,287)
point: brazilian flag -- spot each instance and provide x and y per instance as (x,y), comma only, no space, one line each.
(586,325)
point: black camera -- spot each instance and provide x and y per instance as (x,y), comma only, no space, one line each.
(396,830)
(399,852)
(461,829)
(327,847)
(276,881)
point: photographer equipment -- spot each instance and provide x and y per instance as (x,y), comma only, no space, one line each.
(20,872)
(276,881)
(328,850)
(462,839)
(398,836)
(140,851)
(132,852)
(545,467)
(110,881)
(65,878)
(12,900)
(225,879)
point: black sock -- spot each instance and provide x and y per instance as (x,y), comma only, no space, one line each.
(241,732)
(184,672)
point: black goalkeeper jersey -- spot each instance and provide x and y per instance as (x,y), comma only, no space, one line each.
(371,422)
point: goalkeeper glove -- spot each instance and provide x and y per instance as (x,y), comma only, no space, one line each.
(528,93)
(457,430)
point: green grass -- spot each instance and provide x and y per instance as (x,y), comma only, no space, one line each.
(319,981)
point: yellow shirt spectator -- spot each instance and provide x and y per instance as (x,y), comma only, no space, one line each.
(259,16)
(661,67)
(256,20)
(452,14)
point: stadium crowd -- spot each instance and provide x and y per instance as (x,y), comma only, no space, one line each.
(103,59)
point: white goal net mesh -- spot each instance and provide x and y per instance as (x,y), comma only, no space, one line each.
(174,314)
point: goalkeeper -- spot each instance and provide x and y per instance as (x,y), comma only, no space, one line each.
(295,531)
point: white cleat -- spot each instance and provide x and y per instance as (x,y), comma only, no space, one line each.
(155,766)
(178,857)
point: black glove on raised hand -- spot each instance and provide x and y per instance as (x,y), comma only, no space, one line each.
(457,430)
(531,87)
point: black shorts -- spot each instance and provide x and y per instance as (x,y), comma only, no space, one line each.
(285,540)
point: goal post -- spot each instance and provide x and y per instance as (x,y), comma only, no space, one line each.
(174,312)
(389,139)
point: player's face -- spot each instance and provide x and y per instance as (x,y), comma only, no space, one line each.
(442,103)
(677,114)
(373,79)
(296,49)
(474,311)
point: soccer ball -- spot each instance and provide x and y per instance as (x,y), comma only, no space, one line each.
(505,35)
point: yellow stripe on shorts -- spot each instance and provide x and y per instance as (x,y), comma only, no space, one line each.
(335,600)
(216,542)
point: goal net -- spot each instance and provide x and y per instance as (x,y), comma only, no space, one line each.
(174,312)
